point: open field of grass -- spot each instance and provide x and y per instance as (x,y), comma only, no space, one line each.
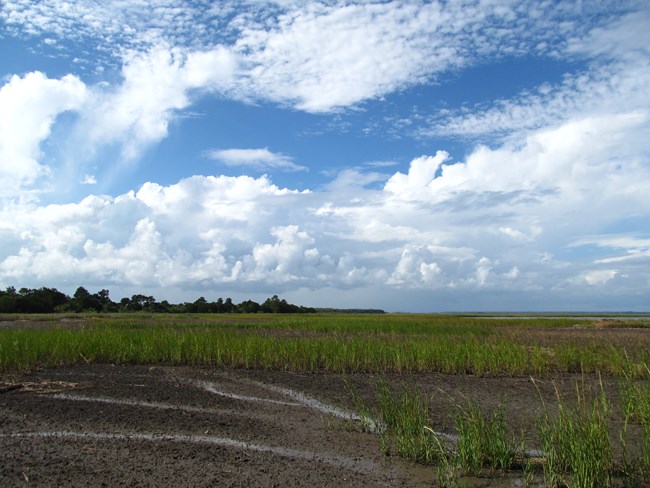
(332,343)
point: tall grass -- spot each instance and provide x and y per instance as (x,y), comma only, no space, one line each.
(635,396)
(483,440)
(576,444)
(574,435)
(406,419)
(328,343)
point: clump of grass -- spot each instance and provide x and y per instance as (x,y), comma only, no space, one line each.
(405,418)
(483,439)
(635,397)
(366,421)
(576,444)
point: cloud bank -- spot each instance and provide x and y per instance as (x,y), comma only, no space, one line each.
(549,201)
(503,220)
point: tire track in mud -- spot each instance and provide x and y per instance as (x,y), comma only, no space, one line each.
(300,401)
(359,466)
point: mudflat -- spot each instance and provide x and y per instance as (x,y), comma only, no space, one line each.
(134,425)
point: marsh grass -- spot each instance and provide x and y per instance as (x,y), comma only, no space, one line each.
(576,444)
(483,440)
(635,397)
(366,421)
(334,343)
(405,419)
(576,448)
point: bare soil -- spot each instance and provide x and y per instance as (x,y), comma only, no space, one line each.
(106,425)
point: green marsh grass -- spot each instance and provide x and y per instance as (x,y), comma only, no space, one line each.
(384,344)
(577,448)
(483,440)
(405,418)
(325,342)
(635,396)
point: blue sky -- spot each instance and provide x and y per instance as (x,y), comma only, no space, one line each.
(411,156)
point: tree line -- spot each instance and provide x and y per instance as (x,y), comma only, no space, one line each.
(51,300)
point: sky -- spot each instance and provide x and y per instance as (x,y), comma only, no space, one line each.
(470,155)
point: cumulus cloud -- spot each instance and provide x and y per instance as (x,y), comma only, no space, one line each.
(133,114)
(415,233)
(422,172)
(258,159)
(599,277)
(29,106)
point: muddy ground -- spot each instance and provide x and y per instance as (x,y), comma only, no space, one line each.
(108,425)
(172,426)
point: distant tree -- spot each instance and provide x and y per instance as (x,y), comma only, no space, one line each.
(9,300)
(104,299)
(249,306)
(201,305)
(48,300)
(137,303)
(276,305)
(218,306)
(83,300)
(228,306)
(42,300)
(164,306)
(124,304)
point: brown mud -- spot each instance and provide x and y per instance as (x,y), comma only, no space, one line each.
(107,425)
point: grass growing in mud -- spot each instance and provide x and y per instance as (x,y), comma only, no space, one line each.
(635,397)
(334,343)
(575,446)
(483,440)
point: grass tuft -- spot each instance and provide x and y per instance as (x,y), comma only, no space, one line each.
(406,419)
(576,444)
(483,439)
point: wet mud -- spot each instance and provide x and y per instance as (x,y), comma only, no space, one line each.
(127,425)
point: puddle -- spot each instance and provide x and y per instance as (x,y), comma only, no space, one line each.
(360,465)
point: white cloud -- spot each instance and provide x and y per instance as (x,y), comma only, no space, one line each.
(134,114)
(422,172)
(242,232)
(29,106)
(483,269)
(599,277)
(156,85)
(533,212)
(258,159)
(322,56)
(616,80)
